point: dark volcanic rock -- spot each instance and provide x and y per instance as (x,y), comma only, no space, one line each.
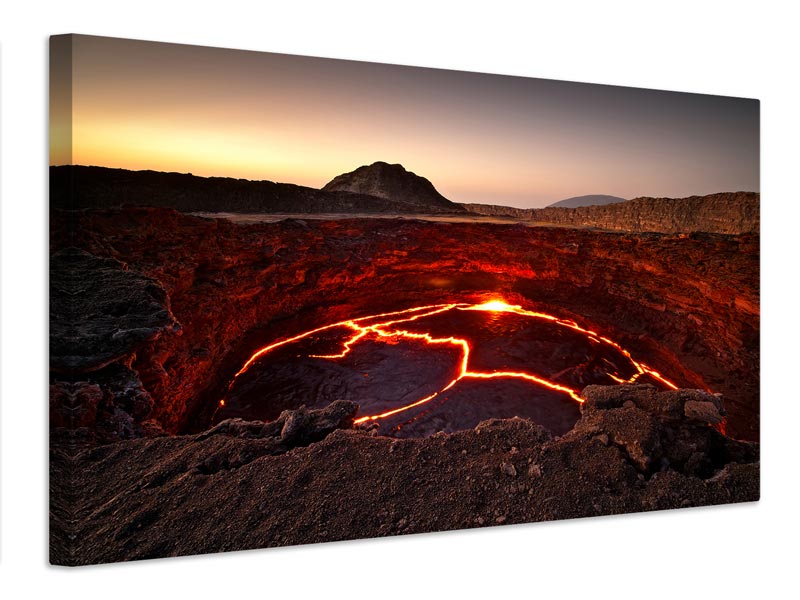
(686,305)
(497,210)
(729,213)
(100,407)
(100,311)
(74,187)
(658,429)
(393,182)
(237,487)
(704,411)
(671,404)
(293,427)
(631,429)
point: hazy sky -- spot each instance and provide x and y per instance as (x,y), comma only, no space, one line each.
(478,138)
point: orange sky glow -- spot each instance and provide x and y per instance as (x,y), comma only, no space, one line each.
(478,138)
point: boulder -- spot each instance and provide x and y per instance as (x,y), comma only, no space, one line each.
(101,311)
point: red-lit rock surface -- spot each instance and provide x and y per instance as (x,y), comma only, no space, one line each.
(687,305)
(308,478)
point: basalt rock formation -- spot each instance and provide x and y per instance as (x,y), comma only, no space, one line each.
(729,213)
(393,183)
(101,312)
(310,478)
(688,304)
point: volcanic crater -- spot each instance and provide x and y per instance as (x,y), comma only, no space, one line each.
(684,306)
(267,339)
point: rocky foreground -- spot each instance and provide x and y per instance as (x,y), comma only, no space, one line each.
(309,477)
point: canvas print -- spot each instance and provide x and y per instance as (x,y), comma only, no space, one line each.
(298,300)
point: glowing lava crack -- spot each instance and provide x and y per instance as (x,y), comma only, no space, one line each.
(385,327)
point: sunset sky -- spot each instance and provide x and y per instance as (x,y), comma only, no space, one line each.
(478,138)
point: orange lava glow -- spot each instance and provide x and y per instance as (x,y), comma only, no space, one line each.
(383,326)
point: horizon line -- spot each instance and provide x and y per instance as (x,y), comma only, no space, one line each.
(191,174)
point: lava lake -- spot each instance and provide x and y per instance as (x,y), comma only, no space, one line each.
(443,367)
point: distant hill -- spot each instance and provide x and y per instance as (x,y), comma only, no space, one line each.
(77,187)
(395,183)
(590,200)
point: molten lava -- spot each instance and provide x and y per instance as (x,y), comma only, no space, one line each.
(385,327)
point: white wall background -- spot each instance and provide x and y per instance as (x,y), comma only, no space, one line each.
(730,48)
